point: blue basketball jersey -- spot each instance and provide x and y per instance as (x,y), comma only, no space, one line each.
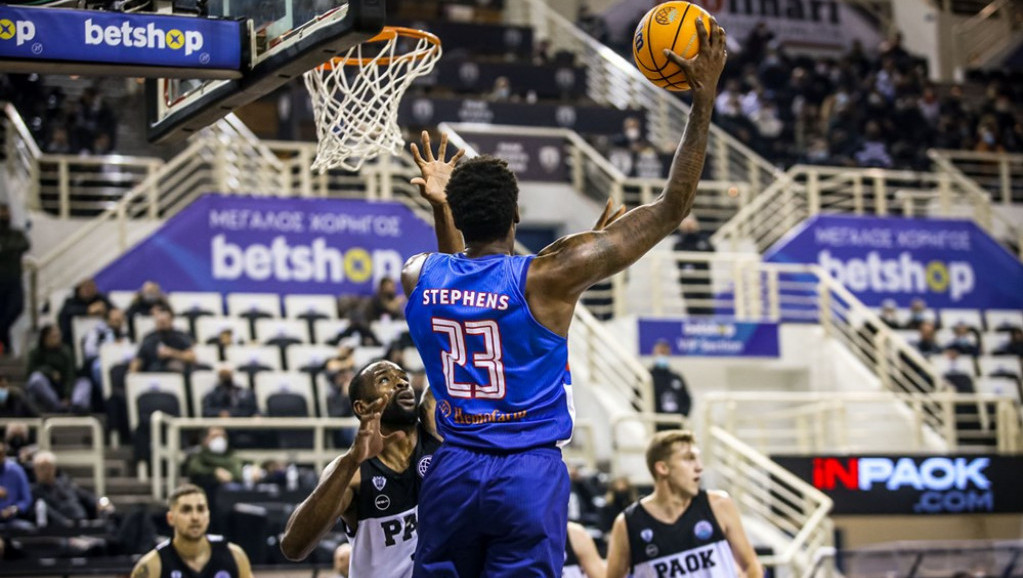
(501,379)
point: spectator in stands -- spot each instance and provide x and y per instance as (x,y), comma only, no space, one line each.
(918,313)
(52,386)
(19,442)
(889,314)
(671,395)
(86,301)
(632,137)
(385,304)
(228,398)
(165,348)
(339,373)
(591,23)
(694,275)
(224,340)
(585,497)
(15,493)
(502,91)
(965,340)
(113,329)
(926,342)
(66,503)
(958,372)
(620,494)
(215,464)
(1014,346)
(873,150)
(94,117)
(13,402)
(13,245)
(149,296)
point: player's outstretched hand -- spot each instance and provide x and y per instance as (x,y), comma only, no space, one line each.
(608,216)
(436,172)
(704,69)
(369,442)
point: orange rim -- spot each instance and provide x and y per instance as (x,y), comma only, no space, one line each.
(388,33)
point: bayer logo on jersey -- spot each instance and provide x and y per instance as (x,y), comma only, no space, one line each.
(703,530)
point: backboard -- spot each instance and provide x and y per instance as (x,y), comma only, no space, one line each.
(285,38)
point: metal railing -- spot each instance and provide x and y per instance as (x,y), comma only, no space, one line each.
(765,490)
(614,81)
(987,34)
(805,191)
(777,423)
(168,456)
(46,428)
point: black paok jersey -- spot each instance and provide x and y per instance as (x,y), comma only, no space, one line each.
(384,540)
(693,546)
(220,565)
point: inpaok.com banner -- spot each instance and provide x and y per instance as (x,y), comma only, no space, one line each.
(710,338)
(948,263)
(93,36)
(273,245)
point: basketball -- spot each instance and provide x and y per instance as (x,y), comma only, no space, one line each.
(670,25)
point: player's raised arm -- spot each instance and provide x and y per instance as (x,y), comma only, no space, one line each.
(436,172)
(564,270)
(318,513)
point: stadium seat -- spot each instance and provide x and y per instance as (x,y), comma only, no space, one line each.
(121,299)
(202,383)
(365,354)
(950,317)
(80,327)
(1003,320)
(388,331)
(281,332)
(999,366)
(275,382)
(208,328)
(999,386)
(254,358)
(57,299)
(308,358)
(111,354)
(413,361)
(992,341)
(327,329)
(145,324)
(137,385)
(961,365)
(196,303)
(310,307)
(253,305)
(206,355)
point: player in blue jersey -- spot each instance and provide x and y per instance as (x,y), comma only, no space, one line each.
(492,328)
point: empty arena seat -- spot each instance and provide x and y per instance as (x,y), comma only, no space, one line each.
(202,382)
(145,324)
(994,341)
(971,317)
(253,305)
(1003,319)
(206,355)
(196,303)
(111,354)
(154,390)
(308,358)
(390,330)
(253,359)
(275,382)
(310,307)
(287,394)
(121,299)
(80,327)
(326,330)
(1006,386)
(365,354)
(999,366)
(281,332)
(962,365)
(208,328)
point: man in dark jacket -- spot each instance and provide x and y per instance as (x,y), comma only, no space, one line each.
(13,245)
(670,392)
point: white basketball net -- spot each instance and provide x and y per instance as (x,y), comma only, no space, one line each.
(355,105)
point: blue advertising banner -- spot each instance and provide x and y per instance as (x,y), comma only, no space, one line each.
(948,263)
(710,337)
(92,36)
(258,244)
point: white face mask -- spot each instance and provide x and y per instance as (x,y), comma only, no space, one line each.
(218,445)
(632,133)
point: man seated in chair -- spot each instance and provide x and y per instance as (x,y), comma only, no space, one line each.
(66,503)
(165,348)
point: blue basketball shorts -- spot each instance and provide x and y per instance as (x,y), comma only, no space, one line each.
(494,515)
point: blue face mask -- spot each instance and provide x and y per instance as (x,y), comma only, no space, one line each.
(661,361)
(4,392)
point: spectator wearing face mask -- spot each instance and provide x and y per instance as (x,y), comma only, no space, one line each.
(228,398)
(215,464)
(149,296)
(670,392)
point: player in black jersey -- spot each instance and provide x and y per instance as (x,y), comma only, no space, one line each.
(374,487)
(192,553)
(680,530)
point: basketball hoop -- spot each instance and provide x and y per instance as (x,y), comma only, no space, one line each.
(356,96)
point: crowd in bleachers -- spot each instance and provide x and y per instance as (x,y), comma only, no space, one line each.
(86,125)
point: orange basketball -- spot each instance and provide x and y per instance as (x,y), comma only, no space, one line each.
(671,25)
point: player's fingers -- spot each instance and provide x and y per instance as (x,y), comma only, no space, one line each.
(419,182)
(458,155)
(616,215)
(426,145)
(678,60)
(701,32)
(602,219)
(415,154)
(442,150)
